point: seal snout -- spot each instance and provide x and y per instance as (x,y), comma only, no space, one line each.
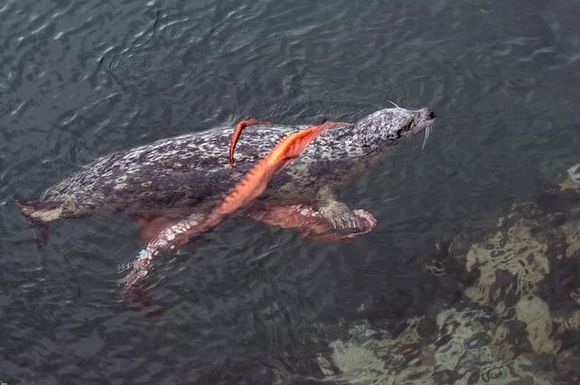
(427,113)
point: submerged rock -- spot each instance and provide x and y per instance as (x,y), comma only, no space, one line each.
(510,264)
(463,352)
(534,312)
(518,322)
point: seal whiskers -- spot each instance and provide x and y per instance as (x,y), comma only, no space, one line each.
(428,130)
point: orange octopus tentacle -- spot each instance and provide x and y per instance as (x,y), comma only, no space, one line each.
(151,226)
(256,180)
(250,187)
(250,122)
(238,131)
(309,221)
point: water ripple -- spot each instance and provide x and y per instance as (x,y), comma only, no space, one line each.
(85,78)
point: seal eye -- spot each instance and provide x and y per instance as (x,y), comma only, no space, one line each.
(408,127)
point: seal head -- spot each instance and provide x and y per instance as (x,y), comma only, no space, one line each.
(387,126)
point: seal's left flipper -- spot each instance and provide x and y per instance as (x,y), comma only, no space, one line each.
(337,213)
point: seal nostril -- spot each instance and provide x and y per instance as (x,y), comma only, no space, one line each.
(431,115)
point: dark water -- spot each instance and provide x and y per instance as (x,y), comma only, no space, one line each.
(80,79)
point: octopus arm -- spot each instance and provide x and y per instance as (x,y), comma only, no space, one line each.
(252,185)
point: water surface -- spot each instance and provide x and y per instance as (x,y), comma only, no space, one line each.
(80,79)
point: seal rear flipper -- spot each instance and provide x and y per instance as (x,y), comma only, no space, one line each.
(41,212)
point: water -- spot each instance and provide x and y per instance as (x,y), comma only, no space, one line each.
(86,78)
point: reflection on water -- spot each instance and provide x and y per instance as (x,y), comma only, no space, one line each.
(252,304)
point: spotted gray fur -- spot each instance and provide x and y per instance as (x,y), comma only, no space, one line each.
(191,172)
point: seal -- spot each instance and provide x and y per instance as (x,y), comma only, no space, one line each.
(182,186)
(173,178)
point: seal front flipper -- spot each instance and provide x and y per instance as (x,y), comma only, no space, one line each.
(337,213)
